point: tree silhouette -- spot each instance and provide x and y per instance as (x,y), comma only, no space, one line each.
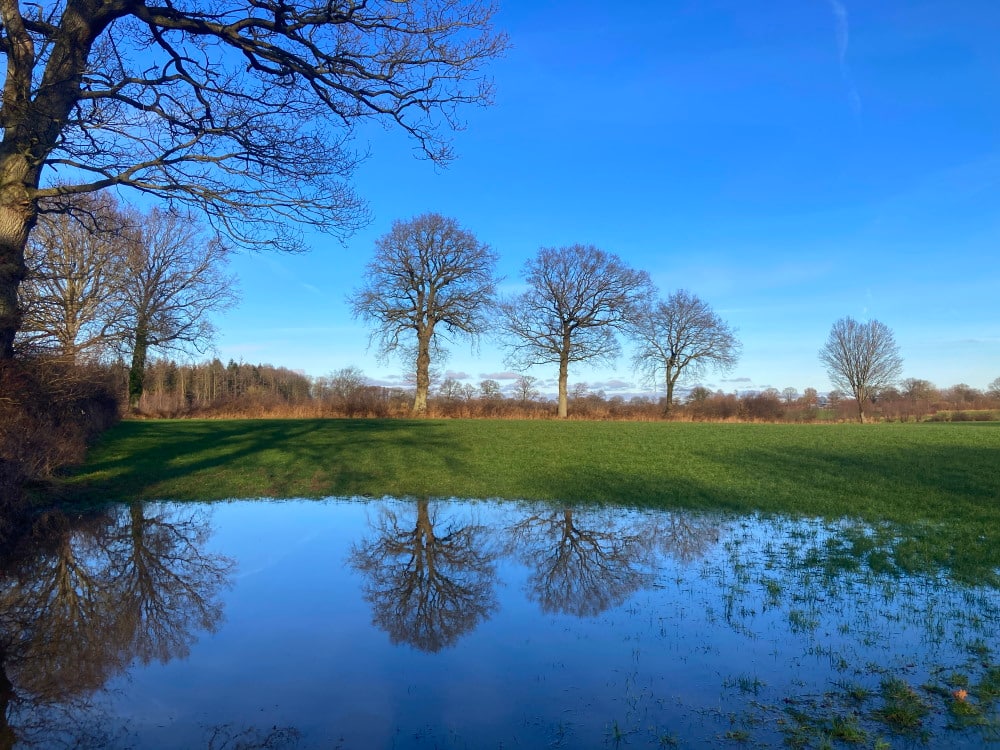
(584,563)
(98,593)
(429,580)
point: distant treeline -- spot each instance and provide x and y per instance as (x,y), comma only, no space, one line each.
(237,389)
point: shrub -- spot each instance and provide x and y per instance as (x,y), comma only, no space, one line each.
(49,412)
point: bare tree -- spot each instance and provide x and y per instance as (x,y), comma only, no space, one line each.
(70,298)
(525,388)
(173,279)
(427,273)
(577,298)
(681,335)
(993,389)
(862,358)
(240,108)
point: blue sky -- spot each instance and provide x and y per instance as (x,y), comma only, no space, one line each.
(790,162)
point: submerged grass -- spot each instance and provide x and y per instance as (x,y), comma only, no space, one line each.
(941,479)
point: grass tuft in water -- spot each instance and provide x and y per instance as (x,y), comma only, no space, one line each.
(903,710)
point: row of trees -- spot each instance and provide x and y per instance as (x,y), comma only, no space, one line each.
(430,280)
(240,389)
(109,282)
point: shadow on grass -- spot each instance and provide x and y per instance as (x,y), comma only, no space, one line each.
(263,458)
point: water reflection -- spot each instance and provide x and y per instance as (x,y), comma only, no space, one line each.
(520,624)
(585,562)
(92,596)
(429,579)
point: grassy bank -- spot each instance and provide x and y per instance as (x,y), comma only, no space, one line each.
(941,480)
(889,471)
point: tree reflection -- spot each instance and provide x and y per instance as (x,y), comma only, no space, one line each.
(428,580)
(88,598)
(584,562)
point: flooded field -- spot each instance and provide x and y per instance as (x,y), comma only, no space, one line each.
(352,623)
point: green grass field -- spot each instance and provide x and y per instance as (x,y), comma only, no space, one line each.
(941,481)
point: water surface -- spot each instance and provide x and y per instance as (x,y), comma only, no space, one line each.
(430,624)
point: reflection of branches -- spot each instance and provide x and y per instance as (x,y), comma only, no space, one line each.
(92,596)
(163,581)
(426,586)
(685,536)
(585,563)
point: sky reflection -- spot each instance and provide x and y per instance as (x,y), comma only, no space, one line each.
(425,623)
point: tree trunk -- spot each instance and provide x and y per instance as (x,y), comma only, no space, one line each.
(17,217)
(137,372)
(423,373)
(564,383)
(668,407)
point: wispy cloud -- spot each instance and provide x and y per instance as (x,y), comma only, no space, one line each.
(843,32)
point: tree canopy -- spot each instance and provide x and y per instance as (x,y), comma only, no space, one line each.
(242,109)
(427,274)
(577,298)
(862,358)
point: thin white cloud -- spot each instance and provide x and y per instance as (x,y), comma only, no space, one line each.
(842,29)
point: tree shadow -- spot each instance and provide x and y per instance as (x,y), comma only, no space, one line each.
(277,458)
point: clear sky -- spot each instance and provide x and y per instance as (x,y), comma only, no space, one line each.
(791,162)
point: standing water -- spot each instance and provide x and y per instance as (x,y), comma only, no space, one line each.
(453,624)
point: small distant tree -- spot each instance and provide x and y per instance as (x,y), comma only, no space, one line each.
(916,389)
(699,394)
(862,358)
(577,298)
(790,395)
(489,390)
(525,389)
(681,335)
(428,274)
(343,389)
(810,397)
(963,393)
(450,389)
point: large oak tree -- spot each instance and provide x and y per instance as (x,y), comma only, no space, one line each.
(577,298)
(861,358)
(240,108)
(681,335)
(428,278)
